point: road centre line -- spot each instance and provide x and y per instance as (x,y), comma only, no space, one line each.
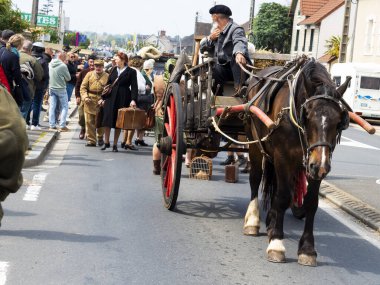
(33,191)
(353,143)
(3,272)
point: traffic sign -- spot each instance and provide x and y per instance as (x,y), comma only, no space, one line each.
(42,20)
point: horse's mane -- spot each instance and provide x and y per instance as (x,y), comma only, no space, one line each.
(317,75)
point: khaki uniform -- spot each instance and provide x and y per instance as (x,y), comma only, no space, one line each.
(91,88)
(13,145)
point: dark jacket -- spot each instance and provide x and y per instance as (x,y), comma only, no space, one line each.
(124,91)
(13,144)
(80,78)
(231,41)
(11,66)
(73,72)
(44,61)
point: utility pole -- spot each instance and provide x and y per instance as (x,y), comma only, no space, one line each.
(251,17)
(34,13)
(343,53)
(61,27)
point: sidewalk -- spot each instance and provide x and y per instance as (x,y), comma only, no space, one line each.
(41,141)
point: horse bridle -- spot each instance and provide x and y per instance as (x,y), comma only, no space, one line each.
(307,149)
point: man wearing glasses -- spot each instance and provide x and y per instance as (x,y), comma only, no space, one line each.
(72,66)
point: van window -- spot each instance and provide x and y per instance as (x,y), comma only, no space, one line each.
(337,80)
(370,83)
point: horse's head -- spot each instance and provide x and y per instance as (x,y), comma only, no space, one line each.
(322,118)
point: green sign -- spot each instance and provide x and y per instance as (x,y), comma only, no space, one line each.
(42,20)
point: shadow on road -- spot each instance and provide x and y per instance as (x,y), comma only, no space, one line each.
(54,235)
(227,208)
(18,214)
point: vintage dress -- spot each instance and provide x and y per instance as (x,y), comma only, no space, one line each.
(124,91)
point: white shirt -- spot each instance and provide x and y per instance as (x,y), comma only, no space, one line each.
(141,82)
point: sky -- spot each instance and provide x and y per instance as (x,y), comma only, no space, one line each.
(147,17)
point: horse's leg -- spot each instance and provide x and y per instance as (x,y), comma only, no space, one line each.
(306,251)
(252,217)
(275,219)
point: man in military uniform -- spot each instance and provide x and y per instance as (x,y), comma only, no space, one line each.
(13,145)
(90,91)
(230,48)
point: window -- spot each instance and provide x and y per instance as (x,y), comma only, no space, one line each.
(311,40)
(304,40)
(370,83)
(337,80)
(369,36)
(297,39)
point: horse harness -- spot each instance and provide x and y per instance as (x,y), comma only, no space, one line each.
(298,122)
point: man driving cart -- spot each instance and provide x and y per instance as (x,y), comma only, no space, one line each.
(230,47)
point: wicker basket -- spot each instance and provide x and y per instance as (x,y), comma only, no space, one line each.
(201,168)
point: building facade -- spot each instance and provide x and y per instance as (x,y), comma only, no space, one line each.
(366,42)
(315,22)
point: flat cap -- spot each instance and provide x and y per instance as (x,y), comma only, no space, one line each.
(98,62)
(221,9)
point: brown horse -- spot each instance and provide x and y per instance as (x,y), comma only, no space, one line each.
(295,148)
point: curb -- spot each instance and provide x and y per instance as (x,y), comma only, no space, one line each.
(39,149)
(42,145)
(352,205)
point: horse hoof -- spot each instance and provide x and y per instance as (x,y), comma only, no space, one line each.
(307,260)
(276,256)
(251,231)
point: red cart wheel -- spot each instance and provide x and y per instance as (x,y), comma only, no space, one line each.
(172,146)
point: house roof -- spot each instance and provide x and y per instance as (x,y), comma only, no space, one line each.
(323,12)
(202,29)
(309,7)
(326,58)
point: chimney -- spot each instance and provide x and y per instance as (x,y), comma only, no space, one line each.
(162,34)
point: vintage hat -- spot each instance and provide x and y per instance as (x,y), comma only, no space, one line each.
(221,9)
(99,62)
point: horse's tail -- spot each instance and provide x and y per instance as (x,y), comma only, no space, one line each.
(268,185)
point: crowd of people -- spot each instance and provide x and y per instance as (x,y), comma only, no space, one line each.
(30,71)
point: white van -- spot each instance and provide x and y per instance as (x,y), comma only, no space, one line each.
(363,93)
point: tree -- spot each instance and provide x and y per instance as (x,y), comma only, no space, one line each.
(11,19)
(333,45)
(272,28)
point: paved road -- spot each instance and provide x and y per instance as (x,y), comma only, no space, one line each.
(87,217)
(356,165)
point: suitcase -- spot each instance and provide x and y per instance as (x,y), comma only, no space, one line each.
(130,119)
(232,173)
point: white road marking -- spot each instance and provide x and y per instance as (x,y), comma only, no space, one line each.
(33,191)
(356,228)
(378,181)
(3,272)
(353,143)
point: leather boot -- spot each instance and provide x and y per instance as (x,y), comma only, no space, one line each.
(247,168)
(82,133)
(157,167)
(230,160)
